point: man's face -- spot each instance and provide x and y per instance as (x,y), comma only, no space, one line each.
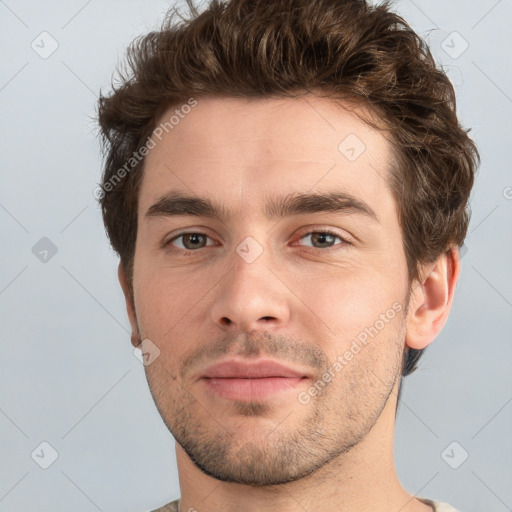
(252,286)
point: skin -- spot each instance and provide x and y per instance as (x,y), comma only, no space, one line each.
(302,301)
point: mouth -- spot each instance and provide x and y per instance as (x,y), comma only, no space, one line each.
(239,380)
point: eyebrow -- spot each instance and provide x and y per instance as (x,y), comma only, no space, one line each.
(176,204)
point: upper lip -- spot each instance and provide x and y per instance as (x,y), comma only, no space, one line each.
(250,370)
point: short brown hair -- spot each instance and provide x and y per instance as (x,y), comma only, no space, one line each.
(347,49)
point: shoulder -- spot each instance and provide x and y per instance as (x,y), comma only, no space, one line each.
(443,507)
(170,507)
(437,506)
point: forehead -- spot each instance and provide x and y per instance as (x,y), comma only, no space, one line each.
(230,148)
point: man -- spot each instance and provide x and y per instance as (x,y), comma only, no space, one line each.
(286,184)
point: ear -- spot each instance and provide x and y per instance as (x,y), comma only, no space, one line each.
(431,299)
(130,304)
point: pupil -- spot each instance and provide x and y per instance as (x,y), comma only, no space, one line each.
(322,237)
(193,238)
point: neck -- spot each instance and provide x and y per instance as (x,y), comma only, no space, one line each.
(362,479)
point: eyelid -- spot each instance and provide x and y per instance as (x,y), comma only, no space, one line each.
(309,231)
(346,240)
(166,242)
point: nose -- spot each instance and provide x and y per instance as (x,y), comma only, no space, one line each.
(252,296)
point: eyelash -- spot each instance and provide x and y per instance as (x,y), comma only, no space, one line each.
(188,252)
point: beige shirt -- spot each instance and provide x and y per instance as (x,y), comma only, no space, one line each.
(437,506)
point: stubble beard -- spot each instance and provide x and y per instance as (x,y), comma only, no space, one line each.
(269,456)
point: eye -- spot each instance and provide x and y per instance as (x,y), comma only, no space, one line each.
(324,239)
(190,241)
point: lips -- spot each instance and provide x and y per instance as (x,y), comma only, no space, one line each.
(253,370)
(240,380)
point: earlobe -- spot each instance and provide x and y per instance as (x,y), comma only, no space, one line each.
(130,304)
(431,299)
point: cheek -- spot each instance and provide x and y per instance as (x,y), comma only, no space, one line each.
(172,308)
(348,300)
(361,318)
(161,300)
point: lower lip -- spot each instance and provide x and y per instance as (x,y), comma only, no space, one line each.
(250,389)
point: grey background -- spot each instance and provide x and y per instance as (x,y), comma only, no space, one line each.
(67,372)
